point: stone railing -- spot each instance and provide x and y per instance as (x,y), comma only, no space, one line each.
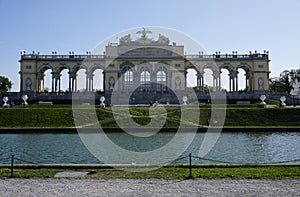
(218,56)
(60,57)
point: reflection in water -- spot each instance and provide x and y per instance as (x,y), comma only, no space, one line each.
(242,147)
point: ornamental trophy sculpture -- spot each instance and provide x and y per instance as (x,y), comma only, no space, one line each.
(5,105)
(263,104)
(102,104)
(282,99)
(25,98)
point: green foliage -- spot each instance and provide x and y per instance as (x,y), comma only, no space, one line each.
(5,84)
(63,117)
(284,84)
(168,172)
(268,102)
(29,173)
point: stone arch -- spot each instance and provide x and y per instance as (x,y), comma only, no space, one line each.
(41,78)
(126,63)
(60,67)
(95,67)
(44,67)
(216,82)
(81,77)
(60,76)
(247,76)
(190,78)
(227,80)
(144,65)
(211,66)
(96,78)
(162,64)
(77,67)
(228,67)
(245,66)
(196,67)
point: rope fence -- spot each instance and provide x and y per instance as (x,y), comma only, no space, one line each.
(190,158)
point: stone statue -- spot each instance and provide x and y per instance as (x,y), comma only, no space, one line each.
(125,39)
(28,84)
(260,84)
(177,83)
(144,33)
(163,39)
(111,83)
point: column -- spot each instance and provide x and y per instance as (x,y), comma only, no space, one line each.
(21,81)
(53,81)
(56,82)
(249,79)
(70,82)
(104,80)
(136,80)
(214,82)
(38,76)
(75,82)
(246,82)
(59,81)
(86,82)
(43,84)
(219,82)
(202,82)
(236,82)
(230,82)
(200,76)
(91,81)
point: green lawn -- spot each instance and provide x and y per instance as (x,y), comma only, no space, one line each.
(171,172)
(62,117)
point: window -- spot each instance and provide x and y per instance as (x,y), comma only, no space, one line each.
(145,80)
(161,78)
(260,66)
(127,78)
(28,67)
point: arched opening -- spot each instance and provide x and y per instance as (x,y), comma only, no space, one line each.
(63,82)
(127,78)
(46,80)
(80,82)
(225,79)
(241,75)
(145,79)
(208,80)
(97,80)
(161,78)
(191,77)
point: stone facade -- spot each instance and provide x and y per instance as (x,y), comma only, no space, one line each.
(144,65)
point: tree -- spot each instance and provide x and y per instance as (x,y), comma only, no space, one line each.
(285,82)
(5,84)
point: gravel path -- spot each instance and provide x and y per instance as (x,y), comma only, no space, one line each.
(148,187)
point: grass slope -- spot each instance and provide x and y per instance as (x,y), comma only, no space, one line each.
(54,117)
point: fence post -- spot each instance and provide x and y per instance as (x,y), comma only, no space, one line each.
(190,160)
(12,167)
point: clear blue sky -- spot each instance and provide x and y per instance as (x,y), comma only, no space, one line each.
(78,26)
